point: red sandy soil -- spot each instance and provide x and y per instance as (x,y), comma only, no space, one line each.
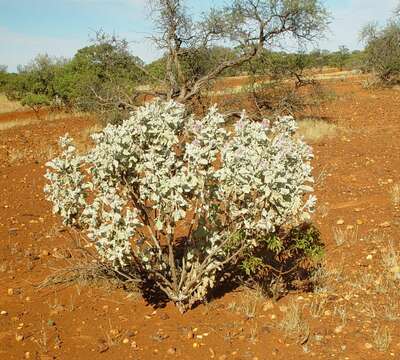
(356,170)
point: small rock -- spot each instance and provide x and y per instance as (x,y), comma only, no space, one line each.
(212,353)
(10,292)
(340,222)
(131,333)
(27,355)
(3,312)
(369,257)
(19,337)
(222,357)
(171,351)
(368,346)
(195,345)
(190,334)
(338,329)
(45,253)
(385,224)
(319,337)
(125,341)
(359,222)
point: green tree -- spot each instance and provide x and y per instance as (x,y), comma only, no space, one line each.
(102,78)
(340,57)
(36,78)
(35,102)
(249,25)
(382,51)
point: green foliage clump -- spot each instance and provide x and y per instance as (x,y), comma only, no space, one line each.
(195,63)
(288,256)
(100,78)
(3,76)
(35,101)
(382,51)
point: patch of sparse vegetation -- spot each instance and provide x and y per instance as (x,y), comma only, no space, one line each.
(293,324)
(315,130)
(317,307)
(7,105)
(382,339)
(345,235)
(395,194)
(391,261)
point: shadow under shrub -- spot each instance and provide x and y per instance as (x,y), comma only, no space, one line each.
(179,202)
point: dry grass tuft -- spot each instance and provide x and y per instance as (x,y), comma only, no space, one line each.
(294,325)
(345,236)
(44,153)
(5,125)
(382,339)
(395,194)
(8,105)
(84,142)
(48,117)
(314,130)
(248,304)
(391,261)
(82,268)
(317,307)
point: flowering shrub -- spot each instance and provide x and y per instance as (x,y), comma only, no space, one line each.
(177,198)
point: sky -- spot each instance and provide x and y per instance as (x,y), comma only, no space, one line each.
(61,27)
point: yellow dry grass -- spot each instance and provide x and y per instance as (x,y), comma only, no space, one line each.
(51,116)
(9,106)
(84,142)
(314,130)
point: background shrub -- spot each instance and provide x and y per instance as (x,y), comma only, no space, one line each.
(382,51)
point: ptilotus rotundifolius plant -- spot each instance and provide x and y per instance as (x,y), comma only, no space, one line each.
(177,197)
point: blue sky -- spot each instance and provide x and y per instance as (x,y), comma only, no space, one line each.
(60,27)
